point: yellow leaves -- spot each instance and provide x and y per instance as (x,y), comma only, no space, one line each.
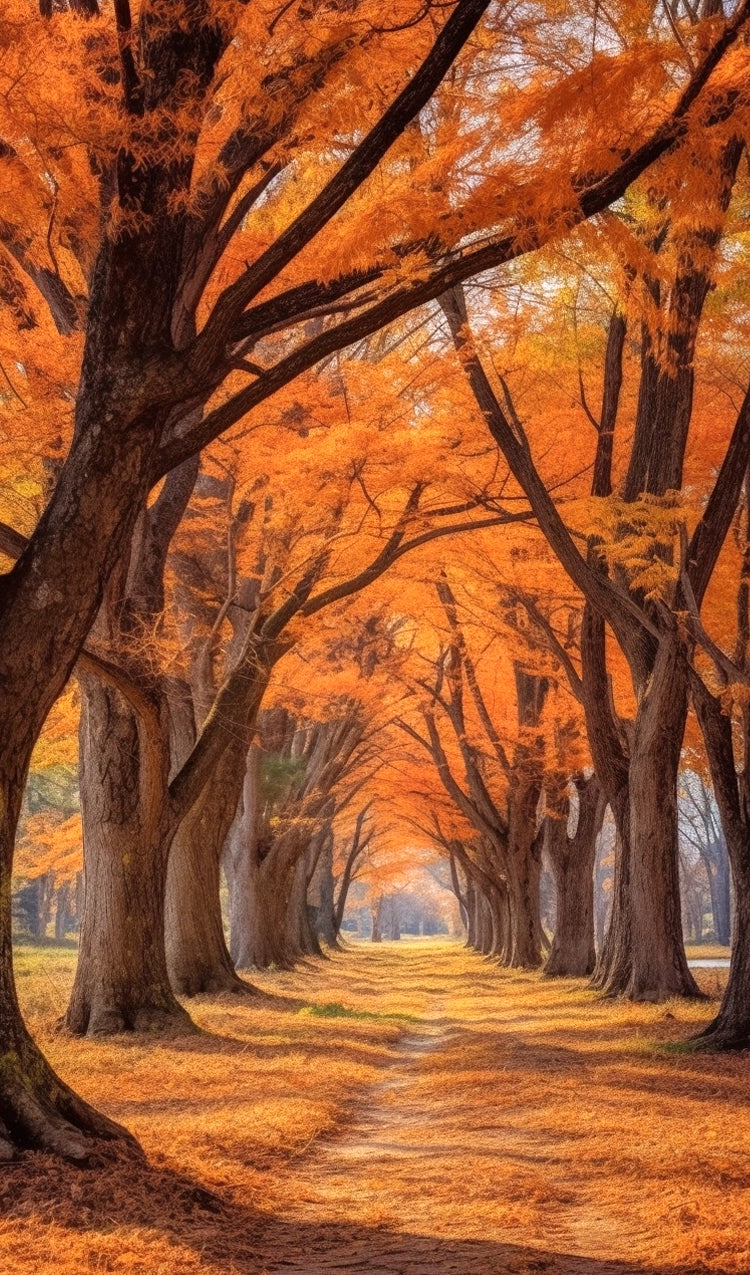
(640,538)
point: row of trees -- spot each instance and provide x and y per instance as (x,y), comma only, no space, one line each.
(197,210)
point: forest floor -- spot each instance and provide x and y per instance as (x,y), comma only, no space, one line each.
(404,1109)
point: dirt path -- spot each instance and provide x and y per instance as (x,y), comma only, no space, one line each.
(403,1109)
(451,1167)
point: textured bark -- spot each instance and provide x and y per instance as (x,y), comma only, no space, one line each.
(610,750)
(573,952)
(259,917)
(658,964)
(127,819)
(327,927)
(485,924)
(37,1109)
(198,958)
(258,897)
(121,982)
(730,1029)
(523,851)
(472,937)
(498,904)
(523,867)
(47,608)
(716,863)
(300,938)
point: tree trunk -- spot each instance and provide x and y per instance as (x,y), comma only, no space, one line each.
(63,913)
(326,910)
(643,954)
(377,913)
(37,1109)
(259,885)
(198,958)
(472,936)
(121,981)
(573,953)
(730,1029)
(524,868)
(300,938)
(486,925)
(658,966)
(717,871)
(258,896)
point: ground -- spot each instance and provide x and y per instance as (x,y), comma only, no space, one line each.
(404,1109)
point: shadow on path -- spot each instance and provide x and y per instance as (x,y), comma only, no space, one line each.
(233,1238)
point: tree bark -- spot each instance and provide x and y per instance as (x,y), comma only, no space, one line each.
(716,863)
(37,1109)
(659,966)
(573,951)
(300,938)
(198,958)
(730,1029)
(122,982)
(326,909)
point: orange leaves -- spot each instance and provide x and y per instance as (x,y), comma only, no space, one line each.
(50,844)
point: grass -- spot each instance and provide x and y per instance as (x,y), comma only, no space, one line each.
(707,951)
(332,1009)
(538,1120)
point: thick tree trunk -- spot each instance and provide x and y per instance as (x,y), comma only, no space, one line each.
(198,958)
(300,938)
(259,885)
(717,871)
(121,982)
(730,1029)
(259,888)
(258,912)
(573,953)
(37,1109)
(326,907)
(643,954)
(522,860)
(524,869)
(485,925)
(658,966)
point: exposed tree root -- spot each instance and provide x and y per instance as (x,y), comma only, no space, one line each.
(216,984)
(721,1037)
(39,1112)
(107,1019)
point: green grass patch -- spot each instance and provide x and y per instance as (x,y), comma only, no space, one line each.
(333,1009)
(677,1048)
